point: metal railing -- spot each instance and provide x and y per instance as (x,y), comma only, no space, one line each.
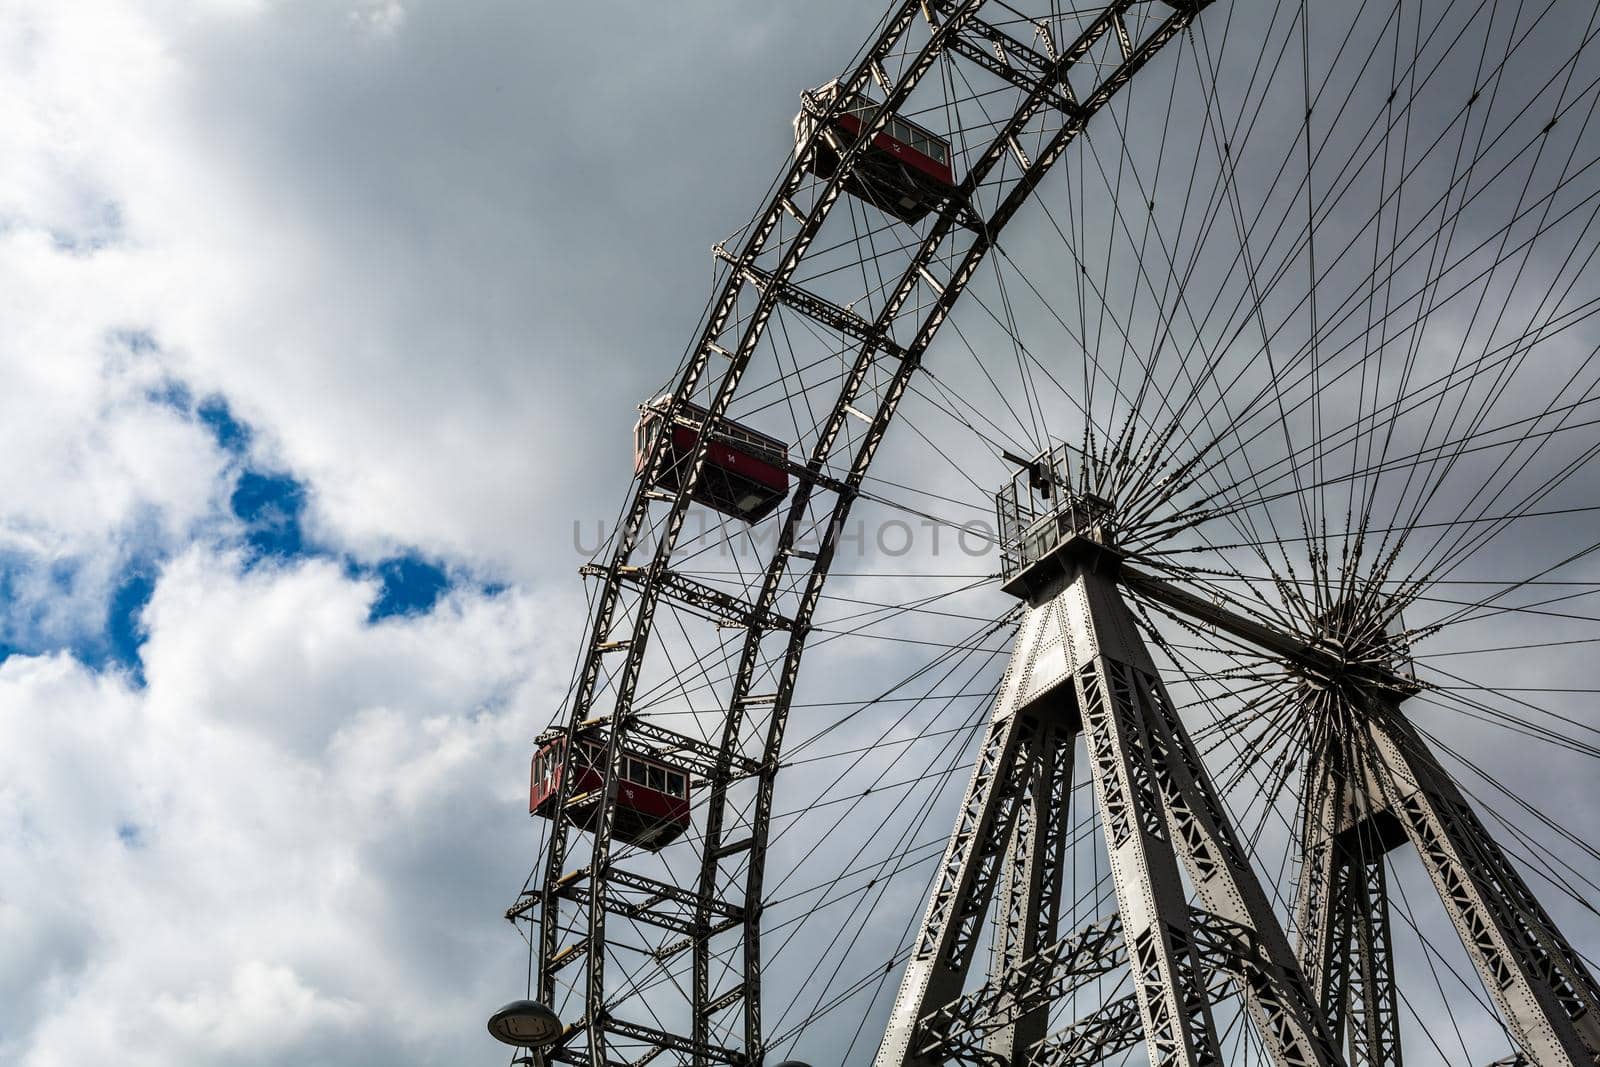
(1044,505)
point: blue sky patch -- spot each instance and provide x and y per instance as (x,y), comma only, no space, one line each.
(232,435)
(123,635)
(411,586)
(115,644)
(270,506)
(7,646)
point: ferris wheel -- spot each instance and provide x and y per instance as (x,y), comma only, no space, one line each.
(1154,437)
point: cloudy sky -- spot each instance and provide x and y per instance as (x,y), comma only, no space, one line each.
(321,326)
(320,323)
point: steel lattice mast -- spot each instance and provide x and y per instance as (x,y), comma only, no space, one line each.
(1346,947)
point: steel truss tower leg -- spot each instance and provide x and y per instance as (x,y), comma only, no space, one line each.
(1170,987)
(1374,1023)
(1346,951)
(1030,892)
(1545,994)
(1157,808)
(967,875)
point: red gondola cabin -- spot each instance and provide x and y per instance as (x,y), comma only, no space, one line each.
(745,475)
(652,805)
(905,170)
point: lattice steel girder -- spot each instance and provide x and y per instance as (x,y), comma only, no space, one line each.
(1313,659)
(1016,62)
(1175,1015)
(1158,806)
(965,881)
(1054,973)
(1374,1020)
(1545,994)
(1275,993)
(821,309)
(708,601)
(1105,1032)
(1345,949)
(660,1041)
(1116,1027)
(692,753)
(1316,913)
(1157,792)
(646,900)
(656,892)
(1030,890)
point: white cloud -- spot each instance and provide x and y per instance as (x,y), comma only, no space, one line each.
(381,17)
(265,1008)
(99,469)
(317,820)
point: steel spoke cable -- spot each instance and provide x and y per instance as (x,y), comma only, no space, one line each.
(1458,210)
(1568,720)
(1392,462)
(1503,372)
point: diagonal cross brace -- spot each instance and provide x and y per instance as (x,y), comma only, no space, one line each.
(1054,973)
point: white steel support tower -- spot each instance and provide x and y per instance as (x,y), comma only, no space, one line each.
(1193,922)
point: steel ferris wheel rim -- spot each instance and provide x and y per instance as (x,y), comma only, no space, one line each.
(657,578)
